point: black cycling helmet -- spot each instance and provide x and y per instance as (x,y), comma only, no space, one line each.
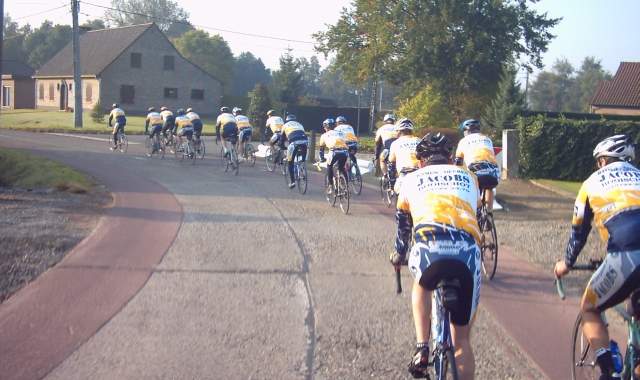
(224,109)
(470,125)
(151,109)
(115,105)
(290,117)
(180,111)
(434,149)
(329,123)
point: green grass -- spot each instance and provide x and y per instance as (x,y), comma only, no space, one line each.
(57,121)
(24,170)
(567,186)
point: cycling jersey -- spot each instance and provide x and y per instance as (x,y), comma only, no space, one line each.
(293,131)
(385,135)
(196,122)
(153,119)
(193,116)
(183,122)
(334,140)
(275,124)
(117,116)
(242,122)
(227,122)
(403,153)
(610,197)
(474,148)
(349,134)
(167,116)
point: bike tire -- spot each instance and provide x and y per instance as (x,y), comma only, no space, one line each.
(343,194)
(269,160)
(331,198)
(250,152)
(382,188)
(148,145)
(356,180)
(191,152)
(301,177)
(234,160)
(161,146)
(489,246)
(583,361)
(176,152)
(123,143)
(201,149)
(450,369)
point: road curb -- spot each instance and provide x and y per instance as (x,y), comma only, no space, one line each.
(562,193)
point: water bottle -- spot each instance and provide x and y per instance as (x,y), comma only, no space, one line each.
(616,356)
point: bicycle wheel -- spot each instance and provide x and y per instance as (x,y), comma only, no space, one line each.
(583,359)
(200,150)
(382,187)
(448,370)
(356,179)
(161,147)
(123,143)
(489,245)
(148,146)
(330,197)
(191,152)
(234,160)
(269,160)
(343,193)
(250,153)
(301,177)
(390,195)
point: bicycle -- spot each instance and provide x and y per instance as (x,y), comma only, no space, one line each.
(230,159)
(185,150)
(199,146)
(488,239)
(122,143)
(169,141)
(445,299)
(300,173)
(154,144)
(249,153)
(583,361)
(355,178)
(274,157)
(339,192)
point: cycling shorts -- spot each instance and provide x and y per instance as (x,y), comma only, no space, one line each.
(387,144)
(230,131)
(245,135)
(117,127)
(487,174)
(615,280)
(353,147)
(155,129)
(197,129)
(275,138)
(187,132)
(449,254)
(297,148)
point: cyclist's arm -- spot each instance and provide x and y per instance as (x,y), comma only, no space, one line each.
(321,146)
(110,118)
(581,226)
(146,126)
(459,158)
(405,225)
(218,130)
(391,165)
(378,146)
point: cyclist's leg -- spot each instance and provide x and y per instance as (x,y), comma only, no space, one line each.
(292,151)
(342,165)
(114,135)
(383,161)
(330,166)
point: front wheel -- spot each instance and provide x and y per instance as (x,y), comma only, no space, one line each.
(583,358)
(489,245)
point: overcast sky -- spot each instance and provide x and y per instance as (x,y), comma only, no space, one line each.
(606,29)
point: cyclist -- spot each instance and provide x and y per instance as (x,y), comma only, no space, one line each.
(350,137)
(293,132)
(186,128)
(227,122)
(337,145)
(475,150)
(437,203)
(196,122)
(610,197)
(244,129)
(385,135)
(402,152)
(154,119)
(118,119)
(274,124)
(168,121)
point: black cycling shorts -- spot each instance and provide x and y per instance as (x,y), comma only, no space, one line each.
(487,174)
(230,131)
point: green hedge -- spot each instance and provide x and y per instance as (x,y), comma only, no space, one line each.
(560,148)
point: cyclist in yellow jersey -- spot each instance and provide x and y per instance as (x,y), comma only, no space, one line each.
(437,205)
(350,137)
(475,150)
(402,153)
(118,119)
(293,133)
(196,122)
(610,198)
(244,130)
(385,135)
(185,127)
(338,153)
(154,119)
(168,121)
(274,124)
(227,123)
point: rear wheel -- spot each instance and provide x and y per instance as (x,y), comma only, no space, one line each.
(234,160)
(330,194)
(191,152)
(250,152)
(269,159)
(343,193)
(301,177)
(489,245)
(123,143)
(583,359)
(356,179)
(200,150)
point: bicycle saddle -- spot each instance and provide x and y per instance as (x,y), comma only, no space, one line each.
(449,289)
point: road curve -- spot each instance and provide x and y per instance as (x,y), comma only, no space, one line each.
(48,319)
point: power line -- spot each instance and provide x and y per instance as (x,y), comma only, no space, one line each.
(202,26)
(39,13)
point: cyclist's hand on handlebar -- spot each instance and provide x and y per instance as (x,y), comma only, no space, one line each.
(560,269)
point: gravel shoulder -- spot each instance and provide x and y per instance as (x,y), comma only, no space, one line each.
(37,229)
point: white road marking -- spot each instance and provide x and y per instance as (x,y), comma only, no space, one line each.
(86,137)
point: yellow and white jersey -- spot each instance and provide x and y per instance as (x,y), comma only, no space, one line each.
(386,132)
(193,116)
(292,127)
(116,112)
(275,123)
(334,140)
(154,118)
(183,122)
(476,147)
(443,195)
(165,114)
(242,122)
(403,153)
(609,191)
(224,119)
(349,133)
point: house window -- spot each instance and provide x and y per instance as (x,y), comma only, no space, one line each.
(197,94)
(6,96)
(52,91)
(136,60)
(170,93)
(168,62)
(127,94)
(41,91)
(88,93)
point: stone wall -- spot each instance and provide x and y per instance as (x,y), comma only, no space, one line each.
(90,92)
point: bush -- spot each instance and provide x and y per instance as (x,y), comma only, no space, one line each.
(97,114)
(427,110)
(560,148)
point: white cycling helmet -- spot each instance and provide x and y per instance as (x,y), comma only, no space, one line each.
(403,125)
(389,117)
(618,146)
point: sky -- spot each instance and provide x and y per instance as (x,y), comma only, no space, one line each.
(605,29)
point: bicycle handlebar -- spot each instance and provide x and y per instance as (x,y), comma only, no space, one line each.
(591,266)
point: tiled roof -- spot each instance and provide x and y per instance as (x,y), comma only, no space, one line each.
(16,68)
(621,91)
(97,50)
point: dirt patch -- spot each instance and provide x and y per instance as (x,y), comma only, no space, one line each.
(37,228)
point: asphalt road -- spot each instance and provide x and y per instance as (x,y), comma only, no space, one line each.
(260,282)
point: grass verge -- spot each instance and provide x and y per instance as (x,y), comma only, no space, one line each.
(565,186)
(24,170)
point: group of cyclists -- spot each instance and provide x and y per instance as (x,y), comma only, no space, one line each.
(439,194)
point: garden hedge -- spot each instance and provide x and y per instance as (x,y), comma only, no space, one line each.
(561,148)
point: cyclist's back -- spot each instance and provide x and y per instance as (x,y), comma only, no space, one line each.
(168,120)
(196,122)
(403,153)
(475,151)
(293,132)
(117,116)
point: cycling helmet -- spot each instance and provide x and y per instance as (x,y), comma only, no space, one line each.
(618,146)
(403,125)
(224,109)
(341,120)
(180,112)
(271,112)
(329,123)
(237,110)
(115,105)
(189,110)
(163,108)
(471,124)
(389,118)
(434,148)
(290,117)
(151,109)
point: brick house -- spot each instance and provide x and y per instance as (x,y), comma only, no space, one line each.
(136,66)
(621,94)
(17,85)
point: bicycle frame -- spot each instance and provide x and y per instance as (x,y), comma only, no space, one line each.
(440,334)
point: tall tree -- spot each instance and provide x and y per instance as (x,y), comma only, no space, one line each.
(310,71)
(212,53)
(247,72)
(13,43)
(506,105)
(44,42)
(587,79)
(287,81)
(165,13)
(259,104)
(554,90)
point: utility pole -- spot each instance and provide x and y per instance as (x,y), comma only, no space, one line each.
(380,104)
(77,81)
(526,92)
(372,104)
(358,92)
(1,38)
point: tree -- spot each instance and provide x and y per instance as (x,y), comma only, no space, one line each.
(165,13)
(287,81)
(44,42)
(212,53)
(260,103)
(310,72)
(507,104)
(95,24)
(13,43)
(427,110)
(587,79)
(247,72)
